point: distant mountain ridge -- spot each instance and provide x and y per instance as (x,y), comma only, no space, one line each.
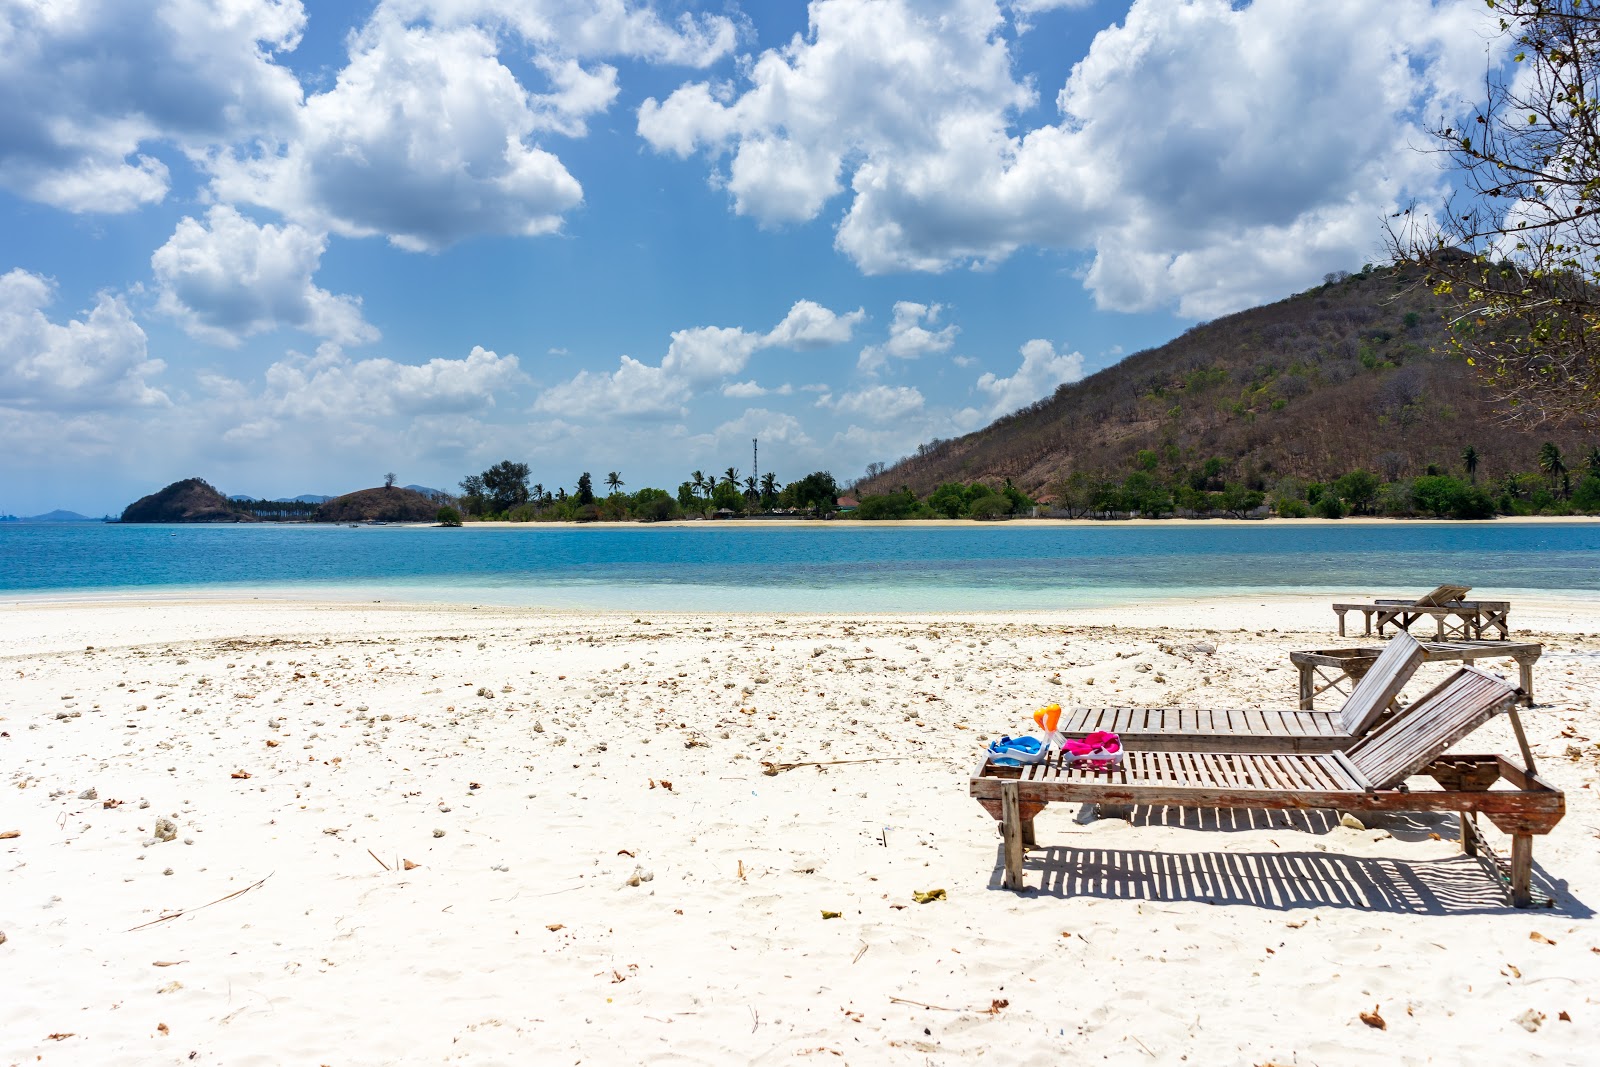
(1354,374)
(58,515)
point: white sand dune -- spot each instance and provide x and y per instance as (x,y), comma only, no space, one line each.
(604,874)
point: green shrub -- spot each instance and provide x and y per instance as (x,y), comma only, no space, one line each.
(1329,506)
(448,516)
(522,513)
(1586,497)
(1290,508)
(901,505)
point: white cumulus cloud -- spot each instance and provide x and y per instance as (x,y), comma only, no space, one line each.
(1042,369)
(695,357)
(227,278)
(95,362)
(910,336)
(424,138)
(93,87)
(1208,154)
(331,386)
(810,325)
(633,390)
(880,403)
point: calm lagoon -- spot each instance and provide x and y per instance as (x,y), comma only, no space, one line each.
(837,566)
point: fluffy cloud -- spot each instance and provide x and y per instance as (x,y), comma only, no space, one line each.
(593,28)
(909,338)
(423,139)
(750,389)
(427,137)
(633,390)
(96,362)
(91,86)
(881,403)
(227,278)
(810,325)
(696,356)
(772,427)
(1042,369)
(331,386)
(1247,177)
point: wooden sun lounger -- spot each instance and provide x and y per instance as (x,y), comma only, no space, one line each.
(1370,776)
(1454,618)
(1255,730)
(1322,669)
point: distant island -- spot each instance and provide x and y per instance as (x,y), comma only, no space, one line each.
(50,516)
(191,500)
(196,500)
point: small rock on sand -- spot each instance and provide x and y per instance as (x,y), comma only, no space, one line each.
(166,830)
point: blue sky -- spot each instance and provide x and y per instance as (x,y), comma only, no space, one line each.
(291,245)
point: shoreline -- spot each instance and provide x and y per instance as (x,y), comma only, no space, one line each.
(859,524)
(1086,524)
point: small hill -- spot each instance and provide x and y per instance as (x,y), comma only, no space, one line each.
(304,498)
(57,515)
(191,500)
(437,494)
(382,504)
(1354,374)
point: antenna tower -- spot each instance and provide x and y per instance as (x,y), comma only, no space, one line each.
(755,465)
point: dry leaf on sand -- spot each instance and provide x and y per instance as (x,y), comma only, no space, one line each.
(1373,1019)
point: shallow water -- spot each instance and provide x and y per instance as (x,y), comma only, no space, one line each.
(826,567)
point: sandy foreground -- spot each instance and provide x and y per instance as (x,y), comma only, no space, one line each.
(449,835)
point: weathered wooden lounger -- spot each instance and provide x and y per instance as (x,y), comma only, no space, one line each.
(1260,731)
(1370,776)
(1454,618)
(1322,669)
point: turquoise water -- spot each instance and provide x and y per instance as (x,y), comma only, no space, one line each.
(825,567)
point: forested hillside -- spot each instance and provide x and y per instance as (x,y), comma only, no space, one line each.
(1352,375)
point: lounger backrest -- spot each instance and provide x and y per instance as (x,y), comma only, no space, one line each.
(1445,594)
(1381,684)
(1408,742)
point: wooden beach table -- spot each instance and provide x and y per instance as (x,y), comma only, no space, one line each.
(1459,620)
(1322,669)
(1373,775)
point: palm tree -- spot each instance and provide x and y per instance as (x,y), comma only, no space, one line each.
(750,489)
(731,476)
(698,481)
(613,481)
(538,493)
(769,484)
(1551,463)
(1469,460)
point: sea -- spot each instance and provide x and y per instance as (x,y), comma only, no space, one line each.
(825,567)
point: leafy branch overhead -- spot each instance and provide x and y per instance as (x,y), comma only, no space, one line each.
(1518,250)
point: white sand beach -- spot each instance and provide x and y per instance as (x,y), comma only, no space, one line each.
(455,835)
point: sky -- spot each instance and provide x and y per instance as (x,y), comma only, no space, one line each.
(290,246)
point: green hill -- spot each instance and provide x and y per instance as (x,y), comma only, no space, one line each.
(1354,374)
(191,500)
(383,504)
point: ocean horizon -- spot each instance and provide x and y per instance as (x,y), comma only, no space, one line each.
(836,567)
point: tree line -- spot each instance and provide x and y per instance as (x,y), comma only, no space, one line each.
(1161,485)
(505,492)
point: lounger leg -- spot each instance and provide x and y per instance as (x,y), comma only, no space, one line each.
(1525,678)
(1341,622)
(1521,870)
(1469,834)
(1011,831)
(1308,686)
